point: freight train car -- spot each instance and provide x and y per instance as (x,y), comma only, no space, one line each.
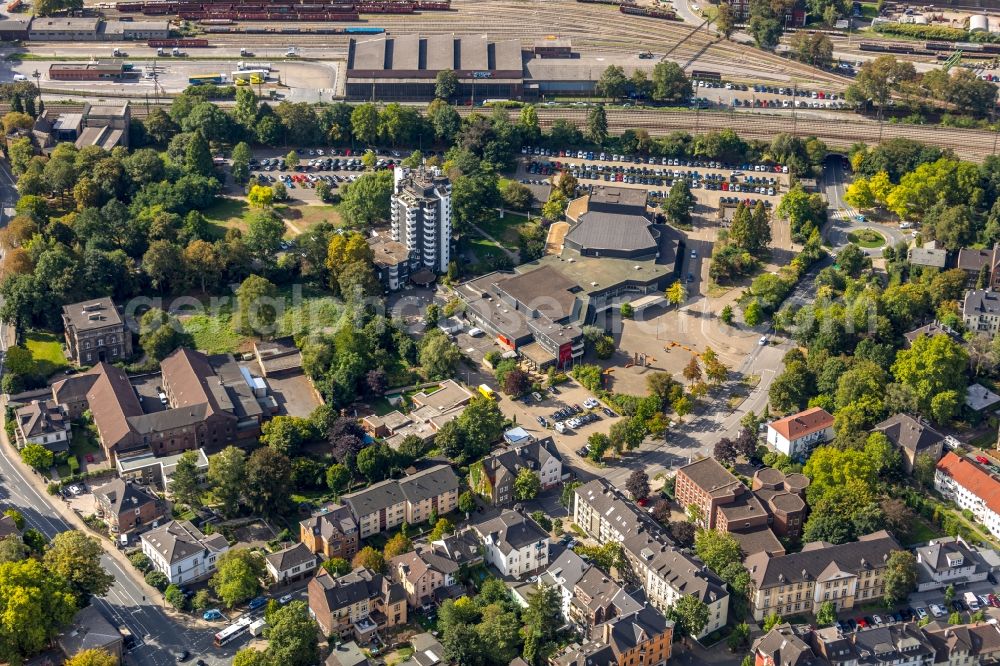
(171,43)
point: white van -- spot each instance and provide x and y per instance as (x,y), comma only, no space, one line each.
(20,77)
(475,332)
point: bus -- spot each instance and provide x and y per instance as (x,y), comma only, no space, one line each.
(487,392)
(233,631)
(202,79)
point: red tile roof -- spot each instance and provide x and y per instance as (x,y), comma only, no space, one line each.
(973,478)
(802,424)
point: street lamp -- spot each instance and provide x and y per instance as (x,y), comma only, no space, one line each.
(38,84)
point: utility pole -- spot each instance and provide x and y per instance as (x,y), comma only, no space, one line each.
(38,84)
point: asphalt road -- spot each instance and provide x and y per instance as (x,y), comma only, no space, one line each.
(836,179)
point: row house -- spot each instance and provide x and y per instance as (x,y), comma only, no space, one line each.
(412,499)
(846,574)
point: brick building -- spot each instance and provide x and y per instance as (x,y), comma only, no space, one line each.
(95,332)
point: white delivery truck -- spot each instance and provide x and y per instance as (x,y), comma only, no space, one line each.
(257,628)
(971,601)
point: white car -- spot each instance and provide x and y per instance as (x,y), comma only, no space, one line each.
(285,599)
(938,610)
(475,332)
(921,612)
(762,341)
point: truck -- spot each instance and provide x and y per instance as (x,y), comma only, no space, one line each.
(257,628)
(246,53)
(263,66)
(971,601)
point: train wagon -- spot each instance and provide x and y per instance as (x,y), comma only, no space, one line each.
(174,43)
(361,30)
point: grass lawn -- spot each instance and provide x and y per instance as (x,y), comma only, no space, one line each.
(505,229)
(485,251)
(227,213)
(46,351)
(82,441)
(232,213)
(305,311)
(921,531)
(867,238)
(300,218)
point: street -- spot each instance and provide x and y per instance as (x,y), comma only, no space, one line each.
(836,179)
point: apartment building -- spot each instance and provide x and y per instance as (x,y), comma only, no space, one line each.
(981,311)
(181,552)
(949,561)
(290,564)
(492,478)
(331,532)
(513,543)
(970,487)
(913,437)
(798,434)
(420,228)
(801,582)
(359,603)
(95,332)
(389,503)
(664,572)
(422,572)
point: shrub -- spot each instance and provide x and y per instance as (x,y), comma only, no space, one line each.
(157,579)
(175,597)
(140,562)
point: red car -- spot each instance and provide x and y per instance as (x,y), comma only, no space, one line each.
(994,601)
(862,622)
(982,460)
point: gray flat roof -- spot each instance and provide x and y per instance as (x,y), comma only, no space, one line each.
(612,231)
(413,52)
(546,290)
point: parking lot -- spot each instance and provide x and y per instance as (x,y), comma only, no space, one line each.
(334,166)
(762,96)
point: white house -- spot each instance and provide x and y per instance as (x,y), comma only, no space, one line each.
(181,552)
(949,561)
(514,543)
(971,487)
(799,433)
(44,423)
(563,574)
(290,564)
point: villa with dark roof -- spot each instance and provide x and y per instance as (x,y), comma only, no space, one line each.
(359,603)
(913,437)
(42,422)
(181,552)
(492,478)
(513,543)
(290,564)
(981,311)
(127,507)
(95,332)
(331,532)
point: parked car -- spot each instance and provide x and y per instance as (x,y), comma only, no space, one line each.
(257,602)
(285,599)
(938,610)
(212,614)
(921,612)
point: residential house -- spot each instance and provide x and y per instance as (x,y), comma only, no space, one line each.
(513,543)
(422,572)
(42,422)
(412,499)
(981,311)
(563,574)
(181,552)
(331,532)
(957,645)
(929,255)
(605,515)
(949,561)
(433,409)
(913,437)
(797,434)
(970,487)
(462,547)
(932,329)
(785,645)
(128,507)
(641,638)
(597,599)
(95,332)
(493,477)
(346,654)
(846,574)
(427,651)
(359,603)
(91,631)
(290,564)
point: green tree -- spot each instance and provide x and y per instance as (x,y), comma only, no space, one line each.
(753,314)
(238,575)
(286,434)
(439,356)
(613,82)
(257,306)
(690,615)
(676,293)
(92,657)
(597,125)
(364,123)
(467,502)
(37,456)
(771,621)
(263,236)
(527,485)
(292,636)
(157,579)
(717,549)
(76,558)
(725,19)
(261,196)
(827,613)
(175,597)
(934,368)
(268,477)
(679,203)
(185,484)
(198,157)
(670,84)
(34,606)
(338,477)
(337,566)
(226,477)
(366,200)
(878,79)
(241,162)
(900,577)
(446,84)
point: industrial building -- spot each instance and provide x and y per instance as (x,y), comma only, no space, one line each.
(64,29)
(14,29)
(404,67)
(130,30)
(99,70)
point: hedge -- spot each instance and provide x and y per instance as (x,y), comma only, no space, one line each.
(936,32)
